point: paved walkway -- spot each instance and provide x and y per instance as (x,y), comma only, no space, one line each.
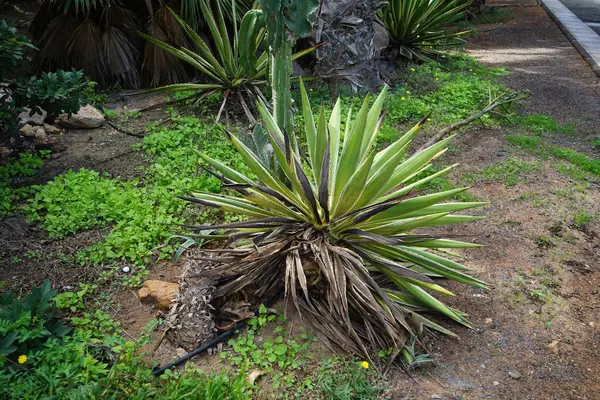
(586,10)
(580,22)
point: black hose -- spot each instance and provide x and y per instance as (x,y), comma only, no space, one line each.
(211,343)
(201,349)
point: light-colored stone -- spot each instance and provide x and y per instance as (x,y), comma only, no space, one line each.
(514,374)
(40,136)
(159,293)
(495,383)
(52,130)
(88,117)
(488,321)
(4,152)
(28,130)
(553,346)
(35,119)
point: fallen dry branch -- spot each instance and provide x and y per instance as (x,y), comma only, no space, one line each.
(506,99)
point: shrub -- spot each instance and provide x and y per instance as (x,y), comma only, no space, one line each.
(337,234)
(55,92)
(418,28)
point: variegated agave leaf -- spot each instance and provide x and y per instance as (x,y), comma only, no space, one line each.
(338,235)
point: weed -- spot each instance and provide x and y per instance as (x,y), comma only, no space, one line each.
(346,380)
(596,144)
(545,242)
(277,357)
(74,301)
(110,115)
(575,173)
(510,172)
(583,218)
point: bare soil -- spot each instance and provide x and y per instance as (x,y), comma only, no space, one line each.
(550,345)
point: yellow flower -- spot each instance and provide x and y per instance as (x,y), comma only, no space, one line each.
(436,79)
(471,69)
(402,98)
(364,364)
(407,92)
(412,69)
(22,359)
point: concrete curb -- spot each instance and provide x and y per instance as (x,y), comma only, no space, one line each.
(585,40)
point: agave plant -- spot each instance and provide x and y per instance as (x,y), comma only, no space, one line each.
(418,27)
(231,64)
(342,233)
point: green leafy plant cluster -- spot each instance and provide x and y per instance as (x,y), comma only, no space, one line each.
(139,213)
(276,356)
(27,324)
(54,92)
(94,361)
(12,174)
(451,90)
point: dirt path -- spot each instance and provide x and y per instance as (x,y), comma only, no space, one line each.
(528,343)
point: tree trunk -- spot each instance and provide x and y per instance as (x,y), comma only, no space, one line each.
(347,27)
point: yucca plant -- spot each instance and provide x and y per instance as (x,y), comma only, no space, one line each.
(342,234)
(418,28)
(227,63)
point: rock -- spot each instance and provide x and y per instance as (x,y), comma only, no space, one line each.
(126,269)
(28,130)
(495,383)
(435,396)
(514,374)
(52,130)
(381,40)
(180,352)
(159,293)
(40,136)
(88,117)
(35,119)
(553,346)
(488,321)
(5,152)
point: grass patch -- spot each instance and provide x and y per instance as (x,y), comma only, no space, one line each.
(509,172)
(535,145)
(540,124)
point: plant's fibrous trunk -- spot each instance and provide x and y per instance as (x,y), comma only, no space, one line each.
(190,319)
(347,27)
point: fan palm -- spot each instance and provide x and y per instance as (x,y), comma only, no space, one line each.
(339,233)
